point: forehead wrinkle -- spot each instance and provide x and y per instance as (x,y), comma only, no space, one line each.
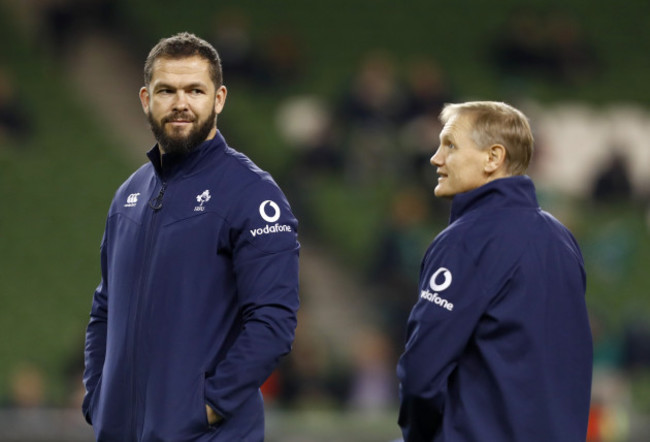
(177,83)
(192,85)
(170,68)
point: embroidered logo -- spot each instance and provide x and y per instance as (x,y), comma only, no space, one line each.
(276,211)
(446,282)
(439,281)
(202,199)
(132,200)
(270,212)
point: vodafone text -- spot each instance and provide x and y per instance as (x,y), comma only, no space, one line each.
(436,299)
(276,228)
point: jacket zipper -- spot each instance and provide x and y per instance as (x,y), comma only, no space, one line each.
(156,203)
(150,235)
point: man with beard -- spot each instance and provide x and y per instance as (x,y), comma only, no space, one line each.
(199,264)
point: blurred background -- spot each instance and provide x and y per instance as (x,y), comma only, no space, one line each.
(338,100)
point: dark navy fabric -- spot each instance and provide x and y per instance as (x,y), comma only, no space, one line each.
(197,301)
(499,344)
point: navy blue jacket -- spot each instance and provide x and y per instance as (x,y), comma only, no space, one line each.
(197,301)
(499,345)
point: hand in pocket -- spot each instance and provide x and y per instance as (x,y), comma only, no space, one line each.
(213,417)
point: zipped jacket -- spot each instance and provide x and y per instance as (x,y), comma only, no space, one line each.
(197,300)
(499,344)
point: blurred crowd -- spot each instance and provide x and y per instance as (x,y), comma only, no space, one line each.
(380,129)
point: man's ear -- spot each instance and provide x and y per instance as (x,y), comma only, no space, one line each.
(144,99)
(220,99)
(496,160)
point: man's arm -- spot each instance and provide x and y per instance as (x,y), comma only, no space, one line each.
(95,346)
(450,303)
(265,263)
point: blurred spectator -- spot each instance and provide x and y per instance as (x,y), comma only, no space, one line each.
(419,141)
(574,58)
(611,251)
(312,375)
(27,386)
(14,119)
(550,46)
(374,384)
(427,88)
(372,155)
(427,91)
(283,58)
(395,269)
(375,96)
(65,20)
(233,40)
(636,345)
(370,109)
(391,124)
(612,183)
(277,59)
(522,48)
(306,124)
(609,412)
(607,345)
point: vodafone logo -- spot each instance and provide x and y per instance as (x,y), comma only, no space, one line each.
(276,211)
(270,212)
(439,281)
(445,280)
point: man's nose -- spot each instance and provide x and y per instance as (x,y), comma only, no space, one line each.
(180,103)
(435,159)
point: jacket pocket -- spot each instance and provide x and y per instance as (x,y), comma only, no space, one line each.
(204,402)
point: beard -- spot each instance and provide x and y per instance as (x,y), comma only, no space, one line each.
(177,143)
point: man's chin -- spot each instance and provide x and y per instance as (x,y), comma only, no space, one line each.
(442,193)
(177,138)
(178,133)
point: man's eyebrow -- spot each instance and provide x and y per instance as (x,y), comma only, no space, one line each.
(195,85)
(446,138)
(161,85)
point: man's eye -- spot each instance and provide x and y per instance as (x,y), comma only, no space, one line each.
(451,146)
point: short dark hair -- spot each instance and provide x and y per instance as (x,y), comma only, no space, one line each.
(184,45)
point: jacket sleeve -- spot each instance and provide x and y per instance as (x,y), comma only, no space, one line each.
(95,346)
(265,263)
(450,303)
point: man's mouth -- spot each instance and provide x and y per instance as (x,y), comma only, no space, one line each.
(178,120)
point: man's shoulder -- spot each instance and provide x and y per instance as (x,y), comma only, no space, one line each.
(240,163)
(243,175)
(484,234)
(143,173)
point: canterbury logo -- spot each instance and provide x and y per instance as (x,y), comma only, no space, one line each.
(132,200)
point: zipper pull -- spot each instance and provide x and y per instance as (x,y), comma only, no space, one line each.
(156,203)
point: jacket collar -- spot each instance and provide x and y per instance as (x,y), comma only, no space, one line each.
(169,165)
(515,191)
